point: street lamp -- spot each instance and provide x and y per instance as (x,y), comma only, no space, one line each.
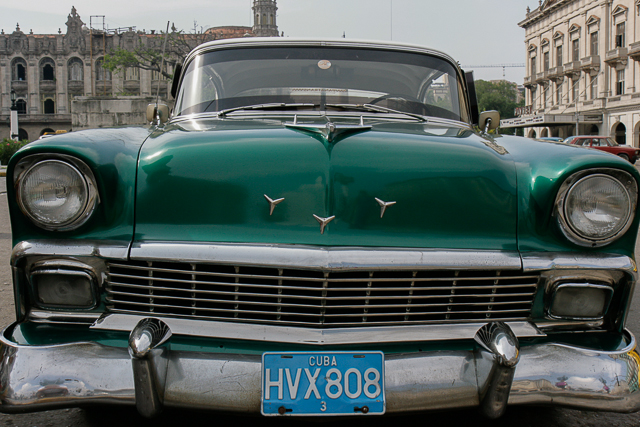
(14,116)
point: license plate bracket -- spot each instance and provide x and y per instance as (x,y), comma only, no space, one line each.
(323,383)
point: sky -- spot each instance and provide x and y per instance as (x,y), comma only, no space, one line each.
(474,32)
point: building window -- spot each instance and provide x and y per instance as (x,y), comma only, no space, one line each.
(533,66)
(533,97)
(546,96)
(49,106)
(102,73)
(620,34)
(19,69)
(575,48)
(156,75)
(594,87)
(594,44)
(559,93)
(76,70)
(620,82)
(621,134)
(132,73)
(559,60)
(21,105)
(575,89)
(47,69)
(545,57)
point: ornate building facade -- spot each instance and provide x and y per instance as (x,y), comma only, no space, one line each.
(583,75)
(48,71)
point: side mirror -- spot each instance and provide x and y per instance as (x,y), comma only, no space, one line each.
(489,120)
(157,114)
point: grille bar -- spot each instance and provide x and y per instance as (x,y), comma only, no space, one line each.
(292,278)
(281,304)
(280,286)
(318,298)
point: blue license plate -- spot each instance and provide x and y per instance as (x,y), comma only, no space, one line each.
(323,383)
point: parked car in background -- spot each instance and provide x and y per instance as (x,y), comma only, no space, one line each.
(605,143)
(319,228)
(550,138)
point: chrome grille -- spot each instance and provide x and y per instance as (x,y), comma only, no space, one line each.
(298,297)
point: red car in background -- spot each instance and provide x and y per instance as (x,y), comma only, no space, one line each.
(605,143)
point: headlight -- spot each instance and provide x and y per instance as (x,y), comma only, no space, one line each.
(56,194)
(598,207)
(580,301)
(63,289)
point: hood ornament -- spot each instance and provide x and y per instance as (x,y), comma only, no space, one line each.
(323,221)
(273,203)
(383,206)
(330,131)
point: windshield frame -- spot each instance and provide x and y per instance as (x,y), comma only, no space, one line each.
(460,88)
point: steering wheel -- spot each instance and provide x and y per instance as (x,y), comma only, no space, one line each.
(405,103)
(394,96)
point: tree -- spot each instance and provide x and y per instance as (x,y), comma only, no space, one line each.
(501,96)
(148,56)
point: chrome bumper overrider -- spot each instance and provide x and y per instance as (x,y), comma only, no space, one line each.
(150,375)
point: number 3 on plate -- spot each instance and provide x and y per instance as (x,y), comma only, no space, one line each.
(323,406)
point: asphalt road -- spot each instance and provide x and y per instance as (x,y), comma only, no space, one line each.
(128,417)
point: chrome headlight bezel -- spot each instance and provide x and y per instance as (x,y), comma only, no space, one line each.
(604,288)
(28,164)
(628,183)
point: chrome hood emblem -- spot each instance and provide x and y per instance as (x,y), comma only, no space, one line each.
(323,221)
(330,131)
(273,203)
(383,206)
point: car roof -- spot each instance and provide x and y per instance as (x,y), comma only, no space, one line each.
(288,41)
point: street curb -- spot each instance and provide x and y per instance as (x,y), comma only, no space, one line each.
(3,171)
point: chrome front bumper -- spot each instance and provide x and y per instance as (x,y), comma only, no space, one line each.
(151,375)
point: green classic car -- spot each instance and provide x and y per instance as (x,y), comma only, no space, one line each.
(319,228)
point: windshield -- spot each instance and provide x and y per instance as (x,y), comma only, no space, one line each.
(321,76)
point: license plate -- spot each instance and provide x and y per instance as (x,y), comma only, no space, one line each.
(323,383)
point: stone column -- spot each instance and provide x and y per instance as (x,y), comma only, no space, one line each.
(33,80)
(61,86)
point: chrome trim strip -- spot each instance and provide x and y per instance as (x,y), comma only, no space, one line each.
(291,335)
(533,261)
(335,258)
(70,248)
(48,316)
(330,258)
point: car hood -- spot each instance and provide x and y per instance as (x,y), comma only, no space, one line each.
(210,181)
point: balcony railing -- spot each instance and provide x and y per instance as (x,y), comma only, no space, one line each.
(20,86)
(75,86)
(617,57)
(590,63)
(634,51)
(47,85)
(556,72)
(541,77)
(572,68)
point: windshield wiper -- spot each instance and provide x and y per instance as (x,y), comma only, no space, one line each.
(375,109)
(271,106)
